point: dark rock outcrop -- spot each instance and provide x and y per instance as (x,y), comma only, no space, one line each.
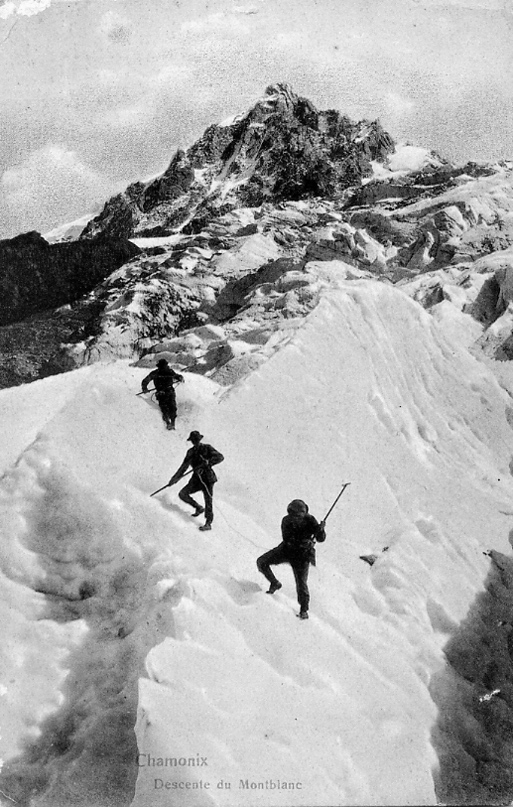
(39,346)
(36,275)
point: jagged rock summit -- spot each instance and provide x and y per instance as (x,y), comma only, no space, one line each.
(283,148)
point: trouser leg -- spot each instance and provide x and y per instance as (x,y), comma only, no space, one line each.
(162,406)
(167,405)
(273,557)
(301,569)
(171,408)
(208,493)
(185,494)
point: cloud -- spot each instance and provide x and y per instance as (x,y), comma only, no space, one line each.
(122,107)
(115,29)
(27,8)
(487,5)
(55,179)
(216,24)
(398,105)
(246,9)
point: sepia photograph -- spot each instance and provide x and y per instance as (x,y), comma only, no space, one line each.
(256,403)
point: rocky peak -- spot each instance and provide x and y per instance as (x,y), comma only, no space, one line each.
(280,90)
(282,149)
(280,99)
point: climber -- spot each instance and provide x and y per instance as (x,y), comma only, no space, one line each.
(299,531)
(164,379)
(200,457)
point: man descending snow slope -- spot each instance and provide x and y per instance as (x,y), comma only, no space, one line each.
(200,457)
(164,379)
(299,531)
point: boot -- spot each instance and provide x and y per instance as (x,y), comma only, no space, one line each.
(303,614)
(199,510)
(206,526)
(274,587)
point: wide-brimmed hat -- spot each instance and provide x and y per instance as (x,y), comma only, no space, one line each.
(195,435)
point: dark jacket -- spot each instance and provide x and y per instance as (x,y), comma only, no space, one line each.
(163,380)
(200,458)
(299,536)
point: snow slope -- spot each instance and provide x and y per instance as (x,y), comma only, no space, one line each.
(118,612)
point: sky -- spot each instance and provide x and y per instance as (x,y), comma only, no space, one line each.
(95,94)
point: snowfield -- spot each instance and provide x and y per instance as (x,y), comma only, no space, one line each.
(118,613)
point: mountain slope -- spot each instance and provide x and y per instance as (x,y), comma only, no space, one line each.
(167,628)
(241,233)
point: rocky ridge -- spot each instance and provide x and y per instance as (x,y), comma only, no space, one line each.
(241,234)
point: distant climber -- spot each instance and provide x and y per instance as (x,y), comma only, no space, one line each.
(200,457)
(299,531)
(164,378)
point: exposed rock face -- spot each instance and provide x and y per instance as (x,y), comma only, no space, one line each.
(36,275)
(283,148)
(33,348)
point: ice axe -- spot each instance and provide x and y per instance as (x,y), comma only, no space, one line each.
(153,389)
(344,486)
(168,485)
(158,491)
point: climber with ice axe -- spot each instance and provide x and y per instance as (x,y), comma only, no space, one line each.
(299,531)
(201,457)
(164,379)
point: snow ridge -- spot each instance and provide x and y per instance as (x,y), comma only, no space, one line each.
(148,621)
